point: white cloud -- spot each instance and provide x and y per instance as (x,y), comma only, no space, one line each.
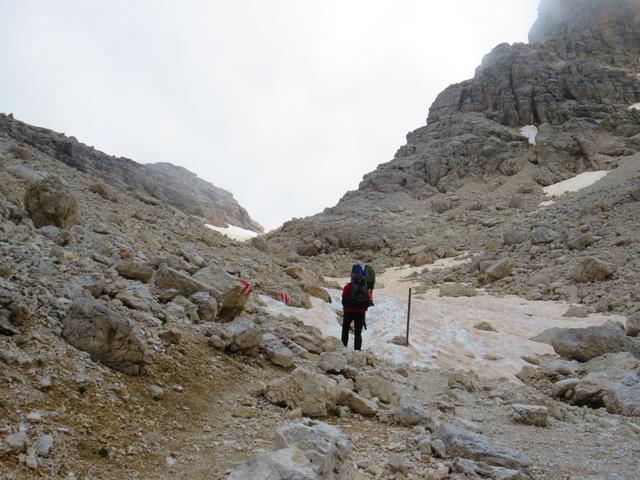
(286,103)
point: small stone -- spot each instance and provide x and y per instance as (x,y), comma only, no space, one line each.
(576,312)
(484,326)
(438,448)
(34,417)
(16,442)
(21,340)
(170,336)
(424,445)
(216,342)
(633,325)
(43,445)
(45,383)
(30,460)
(397,463)
(294,414)
(156,392)
(170,461)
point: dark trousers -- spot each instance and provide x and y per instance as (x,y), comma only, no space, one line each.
(358,319)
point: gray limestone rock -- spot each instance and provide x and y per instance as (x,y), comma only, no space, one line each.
(282,464)
(462,443)
(325,445)
(315,394)
(49,202)
(590,269)
(106,335)
(276,351)
(357,403)
(583,344)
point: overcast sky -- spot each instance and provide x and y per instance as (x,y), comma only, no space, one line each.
(285,103)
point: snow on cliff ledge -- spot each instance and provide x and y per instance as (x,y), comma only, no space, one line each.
(233,232)
(531,132)
(574,184)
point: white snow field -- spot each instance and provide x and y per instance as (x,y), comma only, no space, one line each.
(635,106)
(441,332)
(531,132)
(233,232)
(574,184)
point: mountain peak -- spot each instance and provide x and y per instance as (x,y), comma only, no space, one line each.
(588,27)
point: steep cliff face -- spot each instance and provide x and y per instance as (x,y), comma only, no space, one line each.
(574,81)
(174,185)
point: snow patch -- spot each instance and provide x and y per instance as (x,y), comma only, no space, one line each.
(635,106)
(442,333)
(547,203)
(233,232)
(531,132)
(575,183)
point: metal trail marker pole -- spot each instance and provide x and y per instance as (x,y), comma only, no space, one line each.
(408,316)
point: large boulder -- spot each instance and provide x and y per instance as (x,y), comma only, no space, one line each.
(312,343)
(543,235)
(49,202)
(591,269)
(583,344)
(308,450)
(332,362)
(231,292)
(302,274)
(500,269)
(242,335)
(459,442)
(310,282)
(167,278)
(373,385)
(283,464)
(325,445)
(479,470)
(410,413)
(206,306)
(106,335)
(314,393)
(276,351)
(611,381)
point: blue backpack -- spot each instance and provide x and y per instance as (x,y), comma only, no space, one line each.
(357,271)
(358,293)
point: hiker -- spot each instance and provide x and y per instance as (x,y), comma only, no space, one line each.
(370,276)
(355,301)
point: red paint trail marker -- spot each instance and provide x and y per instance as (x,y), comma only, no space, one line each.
(246,287)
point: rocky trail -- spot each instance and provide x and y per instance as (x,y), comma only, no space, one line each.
(140,340)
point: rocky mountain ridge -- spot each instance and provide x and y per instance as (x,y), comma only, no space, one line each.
(466,178)
(165,182)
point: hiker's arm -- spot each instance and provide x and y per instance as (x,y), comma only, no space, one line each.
(345,292)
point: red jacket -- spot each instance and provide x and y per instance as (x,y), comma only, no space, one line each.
(345,293)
